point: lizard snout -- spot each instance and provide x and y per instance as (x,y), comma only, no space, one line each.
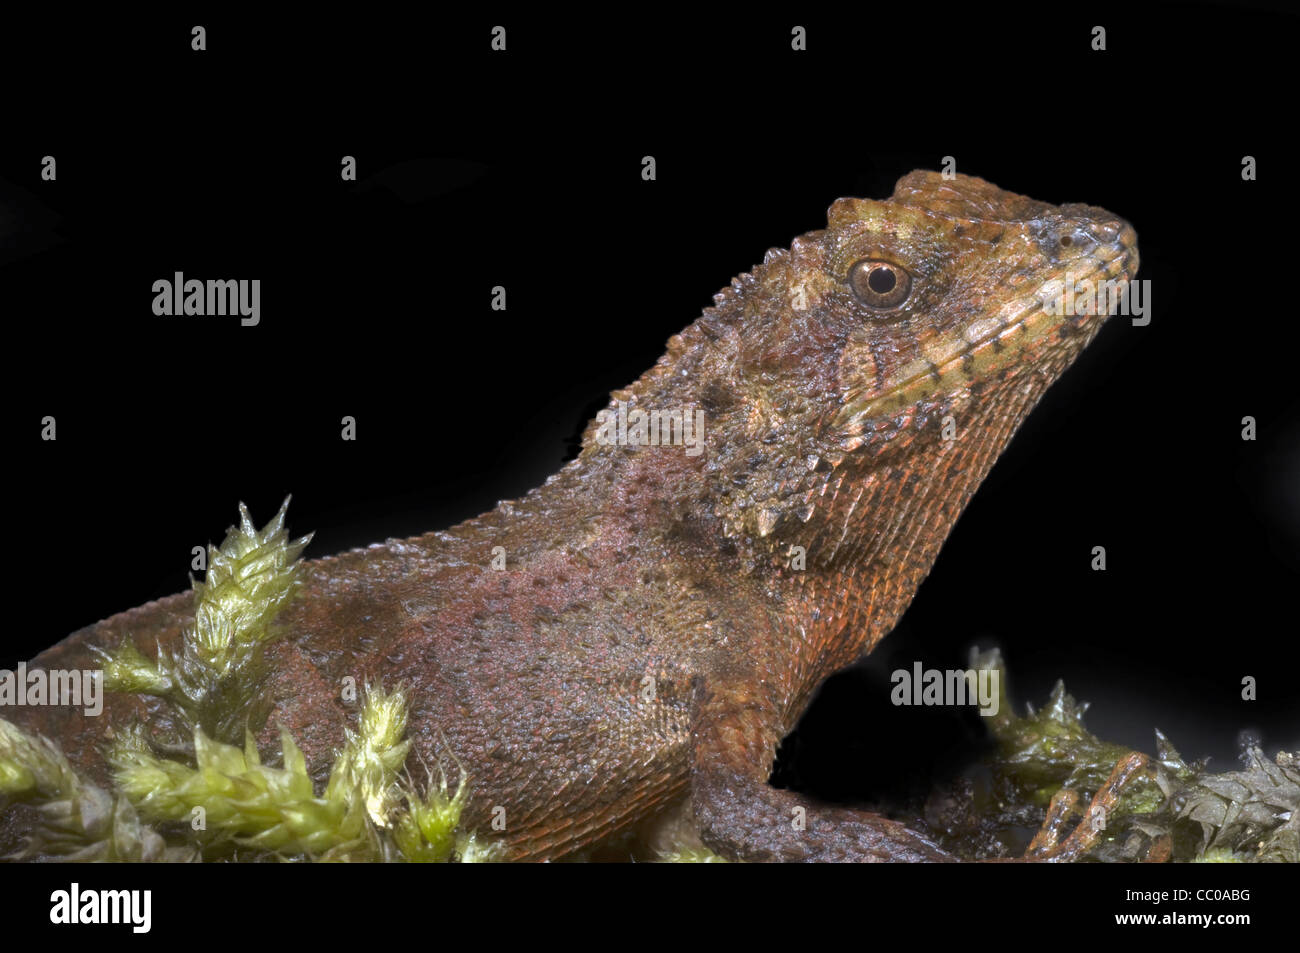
(1097,234)
(1121,236)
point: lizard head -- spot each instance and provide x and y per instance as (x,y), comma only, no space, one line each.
(955,286)
(827,373)
(949,289)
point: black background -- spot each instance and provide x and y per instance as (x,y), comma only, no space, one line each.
(523,169)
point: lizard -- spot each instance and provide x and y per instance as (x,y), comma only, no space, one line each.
(663,617)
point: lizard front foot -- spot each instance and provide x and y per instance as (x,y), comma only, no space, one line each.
(1047,845)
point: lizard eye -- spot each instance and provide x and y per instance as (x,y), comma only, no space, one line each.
(880,284)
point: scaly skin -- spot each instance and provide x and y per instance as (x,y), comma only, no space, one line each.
(824,407)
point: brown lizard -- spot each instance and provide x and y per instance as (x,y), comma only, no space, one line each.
(665,615)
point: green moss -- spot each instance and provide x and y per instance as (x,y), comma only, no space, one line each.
(1108,803)
(429,830)
(228,792)
(78,821)
(208,796)
(1218,856)
(215,680)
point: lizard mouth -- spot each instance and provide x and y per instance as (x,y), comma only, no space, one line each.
(1068,306)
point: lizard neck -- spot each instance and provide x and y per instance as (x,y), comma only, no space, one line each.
(881,517)
(836,532)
